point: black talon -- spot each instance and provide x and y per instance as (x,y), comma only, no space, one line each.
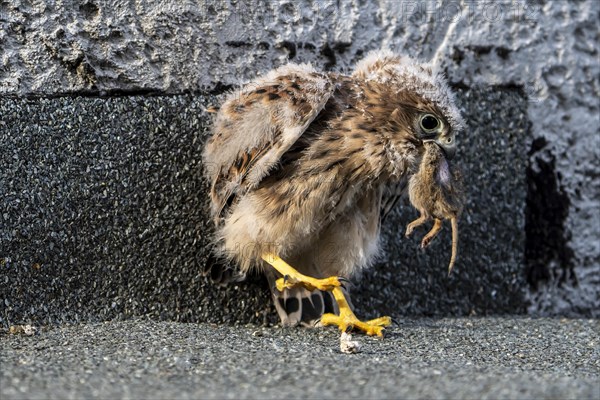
(345,283)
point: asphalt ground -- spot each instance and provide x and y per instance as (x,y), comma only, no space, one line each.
(468,358)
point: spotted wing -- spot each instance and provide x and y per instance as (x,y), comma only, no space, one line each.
(257,125)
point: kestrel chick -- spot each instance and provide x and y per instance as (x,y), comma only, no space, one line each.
(304,165)
(436,190)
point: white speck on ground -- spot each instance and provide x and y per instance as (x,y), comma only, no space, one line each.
(347,345)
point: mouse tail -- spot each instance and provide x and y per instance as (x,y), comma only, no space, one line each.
(454,222)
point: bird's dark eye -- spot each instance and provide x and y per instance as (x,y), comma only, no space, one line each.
(429,123)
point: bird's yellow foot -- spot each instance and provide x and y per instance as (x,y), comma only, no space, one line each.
(347,319)
(371,328)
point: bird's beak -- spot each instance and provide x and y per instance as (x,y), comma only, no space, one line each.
(447,143)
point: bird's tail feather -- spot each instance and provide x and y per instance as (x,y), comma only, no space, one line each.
(299,306)
(220,271)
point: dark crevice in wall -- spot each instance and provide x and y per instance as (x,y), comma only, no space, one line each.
(329,54)
(290,47)
(479,50)
(89,10)
(238,43)
(547,209)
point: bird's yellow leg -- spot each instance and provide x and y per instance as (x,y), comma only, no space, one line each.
(347,319)
(292,278)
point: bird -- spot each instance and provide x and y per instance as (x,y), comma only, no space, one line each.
(437,191)
(304,166)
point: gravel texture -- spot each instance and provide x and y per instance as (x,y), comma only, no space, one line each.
(470,358)
(103,211)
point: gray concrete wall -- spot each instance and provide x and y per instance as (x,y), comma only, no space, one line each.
(85,182)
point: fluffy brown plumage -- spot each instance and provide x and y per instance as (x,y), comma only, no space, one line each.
(305,165)
(436,190)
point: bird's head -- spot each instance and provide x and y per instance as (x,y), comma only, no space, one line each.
(432,128)
(420,97)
